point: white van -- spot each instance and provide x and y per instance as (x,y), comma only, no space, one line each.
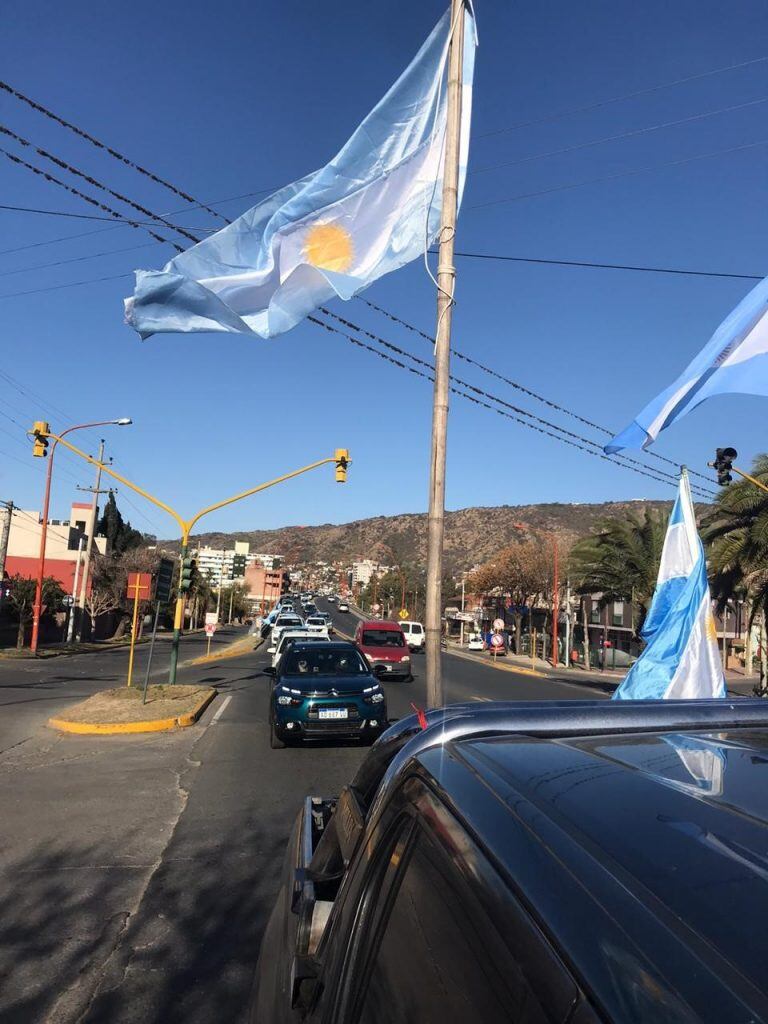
(288,638)
(414,634)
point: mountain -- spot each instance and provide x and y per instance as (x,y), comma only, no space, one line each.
(472,535)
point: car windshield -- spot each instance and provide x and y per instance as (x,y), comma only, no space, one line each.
(347,662)
(383,638)
(304,638)
(289,620)
(315,621)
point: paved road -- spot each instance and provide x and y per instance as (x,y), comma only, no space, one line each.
(138,872)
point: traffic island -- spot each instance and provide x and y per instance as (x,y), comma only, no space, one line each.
(121,710)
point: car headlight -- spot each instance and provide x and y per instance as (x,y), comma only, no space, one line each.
(282,699)
(377,698)
(369,657)
(405,658)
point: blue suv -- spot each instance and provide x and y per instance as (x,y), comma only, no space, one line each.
(324,690)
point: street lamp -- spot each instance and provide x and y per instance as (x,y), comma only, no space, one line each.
(37,608)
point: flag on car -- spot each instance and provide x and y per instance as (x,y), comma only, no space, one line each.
(734,361)
(681,659)
(375,207)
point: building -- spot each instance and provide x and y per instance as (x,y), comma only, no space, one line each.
(225,566)
(364,571)
(63,538)
(269,561)
(264,586)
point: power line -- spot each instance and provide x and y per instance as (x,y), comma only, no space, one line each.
(76,259)
(82,195)
(597,453)
(520,387)
(618,174)
(479,391)
(615,138)
(619,99)
(70,284)
(606,266)
(100,145)
(58,162)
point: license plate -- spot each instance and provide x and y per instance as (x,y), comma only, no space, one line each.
(332,713)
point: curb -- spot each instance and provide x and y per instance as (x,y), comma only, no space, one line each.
(206,659)
(118,728)
(506,667)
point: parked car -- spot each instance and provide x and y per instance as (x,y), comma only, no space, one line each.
(383,644)
(505,863)
(324,689)
(414,634)
(291,636)
(343,606)
(331,598)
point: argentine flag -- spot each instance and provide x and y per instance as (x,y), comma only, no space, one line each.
(375,207)
(681,659)
(734,361)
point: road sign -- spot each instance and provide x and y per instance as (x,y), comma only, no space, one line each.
(497,640)
(498,623)
(375,607)
(211,619)
(210,628)
(139,585)
(403,613)
(164,580)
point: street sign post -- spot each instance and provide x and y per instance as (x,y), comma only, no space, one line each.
(498,623)
(403,613)
(211,621)
(140,589)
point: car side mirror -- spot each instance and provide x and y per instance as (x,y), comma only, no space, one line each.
(270,670)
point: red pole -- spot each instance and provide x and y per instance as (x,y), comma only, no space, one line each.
(38,605)
(555,607)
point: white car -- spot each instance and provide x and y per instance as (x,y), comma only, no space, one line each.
(296,634)
(343,606)
(316,624)
(330,598)
(414,634)
(475,642)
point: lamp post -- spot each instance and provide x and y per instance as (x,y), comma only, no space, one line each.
(37,607)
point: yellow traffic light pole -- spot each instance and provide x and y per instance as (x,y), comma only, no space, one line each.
(735,469)
(340,458)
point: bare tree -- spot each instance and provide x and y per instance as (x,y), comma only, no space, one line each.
(521,571)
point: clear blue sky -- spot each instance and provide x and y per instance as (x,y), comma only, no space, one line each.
(233,98)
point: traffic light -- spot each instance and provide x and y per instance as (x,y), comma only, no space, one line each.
(238,566)
(188,567)
(342,461)
(724,464)
(39,429)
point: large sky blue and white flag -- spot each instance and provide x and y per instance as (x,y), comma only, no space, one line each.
(372,209)
(681,659)
(734,361)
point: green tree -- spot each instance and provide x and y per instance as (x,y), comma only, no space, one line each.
(120,535)
(22,599)
(620,560)
(736,535)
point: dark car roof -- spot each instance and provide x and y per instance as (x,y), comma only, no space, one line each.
(380,624)
(642,853)
(332,645)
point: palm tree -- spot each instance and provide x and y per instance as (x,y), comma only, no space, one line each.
(736,533)
(621,560)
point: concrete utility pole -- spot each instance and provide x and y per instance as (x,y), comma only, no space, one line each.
(446,280)
(5,533)
(79,611)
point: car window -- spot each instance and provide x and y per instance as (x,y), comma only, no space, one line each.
(347,662)
(416,628)
(383,638)
(438,958)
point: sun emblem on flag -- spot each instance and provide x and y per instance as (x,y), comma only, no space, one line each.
(711,628)
(329,247)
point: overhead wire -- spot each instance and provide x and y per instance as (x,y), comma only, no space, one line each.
(549,118)
(14,158)
(647,472)
(95,183)
(616,138)
(519,387)
(618,174)
(99,145)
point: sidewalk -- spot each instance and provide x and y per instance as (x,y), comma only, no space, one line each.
(606,681)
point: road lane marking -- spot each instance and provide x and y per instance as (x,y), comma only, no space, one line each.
(489,699)
(220,710)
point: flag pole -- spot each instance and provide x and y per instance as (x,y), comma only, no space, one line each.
(446,276)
